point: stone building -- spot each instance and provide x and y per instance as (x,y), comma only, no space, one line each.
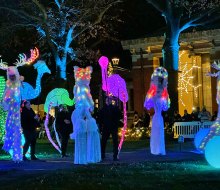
(197,51)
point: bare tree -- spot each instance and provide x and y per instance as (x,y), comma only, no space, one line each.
(180,15)
(59,23)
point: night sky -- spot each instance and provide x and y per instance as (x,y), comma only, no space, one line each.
(139,20)
(136,17)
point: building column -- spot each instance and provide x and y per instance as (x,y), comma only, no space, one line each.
(141,81)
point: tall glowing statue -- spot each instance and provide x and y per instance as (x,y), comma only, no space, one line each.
(157,97)
(87,142)
(11,102)
(116,86)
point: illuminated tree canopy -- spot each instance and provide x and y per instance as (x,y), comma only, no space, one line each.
(60,24)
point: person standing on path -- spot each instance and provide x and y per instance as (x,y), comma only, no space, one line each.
(64,127)
(29,123)
(109,117)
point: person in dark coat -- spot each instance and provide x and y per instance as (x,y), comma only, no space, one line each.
(146,118)
(63,127)
(186,117)
(29,123)
(109,117)
(176,117)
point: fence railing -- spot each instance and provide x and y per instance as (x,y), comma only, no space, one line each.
(189,129)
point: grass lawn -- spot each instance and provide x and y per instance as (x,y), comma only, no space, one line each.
(177,176)
(45,148)
(147,175)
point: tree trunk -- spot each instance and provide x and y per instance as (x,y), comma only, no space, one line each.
(172,90)
(170,62)
(62,71)
(171,51)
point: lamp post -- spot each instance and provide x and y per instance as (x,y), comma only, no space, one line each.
(115,61)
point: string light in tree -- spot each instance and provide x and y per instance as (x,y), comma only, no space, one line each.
(135,133)
(185,78)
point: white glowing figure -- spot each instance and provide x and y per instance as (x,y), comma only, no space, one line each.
(157,97)
(87,141)
(11,103)
(116,86)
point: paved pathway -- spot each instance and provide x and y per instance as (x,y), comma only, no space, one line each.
(142,155)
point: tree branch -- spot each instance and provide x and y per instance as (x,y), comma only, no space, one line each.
(21,14)
(49,40)
(58,3)
(69,39)
(156,5)
(99,19)
(105,10)
(209,21)
(41,7)
(193,21)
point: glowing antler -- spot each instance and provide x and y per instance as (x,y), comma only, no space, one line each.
(3,65)
(34,55)
(23,58)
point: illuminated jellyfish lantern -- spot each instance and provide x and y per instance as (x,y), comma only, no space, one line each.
(199,137)
(212,152)
(54,98)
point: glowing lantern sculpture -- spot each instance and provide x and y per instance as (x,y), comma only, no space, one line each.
(54,98)
(87,141)
(13,94)
(157,97)
(212,152)
(209,144)
(202,133)
(116,86)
